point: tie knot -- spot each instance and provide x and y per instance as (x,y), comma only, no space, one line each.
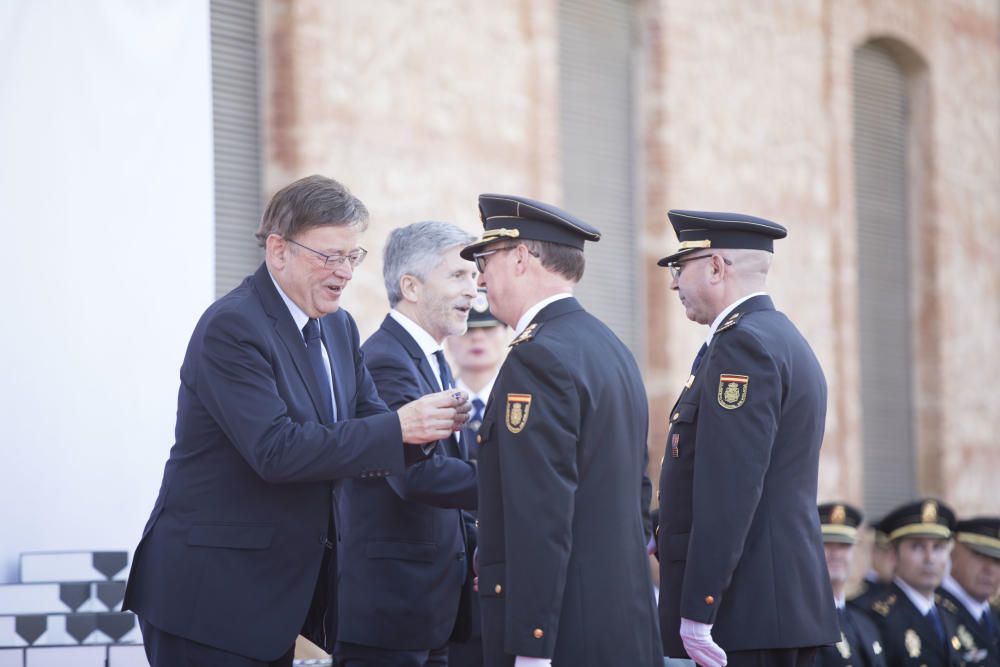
(311,330)
(478,404)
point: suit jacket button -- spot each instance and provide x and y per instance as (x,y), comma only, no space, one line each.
(477,523)
(709,599)
(538,634)
(498,589)
(479,439)
(676,415)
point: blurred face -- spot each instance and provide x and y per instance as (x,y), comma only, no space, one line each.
(304,276)
(479,350)
(693,280)
(838,562)
(443,299)
(921,562)
(884,562)
(979,575)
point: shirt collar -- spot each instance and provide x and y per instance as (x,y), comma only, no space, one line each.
(975,607)
(423,339)
(923,605)
(298,315)
(725,313)
(841,602)
(529,315)
(483,395)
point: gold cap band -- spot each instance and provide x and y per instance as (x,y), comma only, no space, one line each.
(491,234)
(926,529)
(977,539)
(706,243)
(846,531)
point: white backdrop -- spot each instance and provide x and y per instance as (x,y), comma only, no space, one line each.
(106,218)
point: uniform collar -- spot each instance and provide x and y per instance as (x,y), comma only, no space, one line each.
(923,605)
(534,310)
(975,607)
(725,313)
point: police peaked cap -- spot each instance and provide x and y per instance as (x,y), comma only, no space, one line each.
(704,230)
(921,518)
(981,534)
(507,217)
(839,522)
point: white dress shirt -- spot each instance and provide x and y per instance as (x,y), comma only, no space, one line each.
(300,318)
(725,313)
(923,604)
(423,339)
(975,607)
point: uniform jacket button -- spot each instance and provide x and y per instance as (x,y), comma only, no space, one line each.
(479,439)
(709,599)
(538,634)
(498,589)
(477,523)
(676,415)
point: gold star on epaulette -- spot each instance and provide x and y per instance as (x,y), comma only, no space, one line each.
(946,603)
(527,334)
(881,607)
(730,322)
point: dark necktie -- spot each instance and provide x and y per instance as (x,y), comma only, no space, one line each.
(477,414)
(446,380)
(986,620)
(935,618)
(698,357)
(314,347)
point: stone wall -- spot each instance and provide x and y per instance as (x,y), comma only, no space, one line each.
(419,106)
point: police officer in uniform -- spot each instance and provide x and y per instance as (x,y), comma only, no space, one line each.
(860,644)
(917,629)
(974,579)
(563,575)
(879,577)
(738,481)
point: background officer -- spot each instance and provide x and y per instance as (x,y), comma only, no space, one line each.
(563,578)
(477,355)
(738,481)
(916,630)
(860,644)
(974,579)
(879,576)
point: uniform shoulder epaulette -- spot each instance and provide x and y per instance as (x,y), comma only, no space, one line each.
(882,607)
(527,334)
(946,603)
(729,323)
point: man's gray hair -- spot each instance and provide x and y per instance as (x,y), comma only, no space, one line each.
(415,250)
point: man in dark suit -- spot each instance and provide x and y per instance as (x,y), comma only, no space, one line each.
(563,575)
(973,581)
(403,562)
(477,354)
(860,644)
(274,403)
(742,572)
(917,627)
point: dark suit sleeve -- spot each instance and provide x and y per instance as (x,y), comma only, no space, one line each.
(539,477)
(438,480)
(236,383)
(732,454)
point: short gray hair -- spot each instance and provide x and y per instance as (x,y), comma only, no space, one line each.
(415,250)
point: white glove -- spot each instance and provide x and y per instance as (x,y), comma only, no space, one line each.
(522,661)
(700,647)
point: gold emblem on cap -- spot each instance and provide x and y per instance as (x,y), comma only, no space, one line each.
(929,512)
(500,232)
(705,243)
(480,304)
(912,642)
(837,516)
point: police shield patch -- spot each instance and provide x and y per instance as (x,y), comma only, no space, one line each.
(518,406)
(733,390)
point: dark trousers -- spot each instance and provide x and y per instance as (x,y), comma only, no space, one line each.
(775,657)
(466,654)
(356,655)
(166,650)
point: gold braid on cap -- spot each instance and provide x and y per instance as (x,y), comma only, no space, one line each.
(707,243)
(501,233)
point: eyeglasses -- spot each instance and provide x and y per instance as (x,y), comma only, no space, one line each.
(677,267)
(354,258)
(480,257)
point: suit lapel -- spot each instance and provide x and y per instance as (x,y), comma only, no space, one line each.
(284,327)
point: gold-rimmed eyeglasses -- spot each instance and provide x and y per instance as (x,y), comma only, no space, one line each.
(678,266)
